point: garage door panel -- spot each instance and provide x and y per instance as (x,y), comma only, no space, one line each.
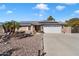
(51,29)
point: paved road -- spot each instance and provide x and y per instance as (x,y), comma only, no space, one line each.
(61,44)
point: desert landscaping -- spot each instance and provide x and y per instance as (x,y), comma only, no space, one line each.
(27,46)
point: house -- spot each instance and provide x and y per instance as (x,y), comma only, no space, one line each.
(41,26)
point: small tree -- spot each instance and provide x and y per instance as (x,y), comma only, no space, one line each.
(50,18)
(9,27)
(73,22)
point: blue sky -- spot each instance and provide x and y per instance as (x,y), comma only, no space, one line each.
(37,11)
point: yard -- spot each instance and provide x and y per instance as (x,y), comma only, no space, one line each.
(28,46)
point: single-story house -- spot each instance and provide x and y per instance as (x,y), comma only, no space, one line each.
(43,26)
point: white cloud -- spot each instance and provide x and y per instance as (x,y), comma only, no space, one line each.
(9,12)
(41,6)
(76,11)
(38,14)
(59,7)
(2,7)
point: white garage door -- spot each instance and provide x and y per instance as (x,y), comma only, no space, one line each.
(51,29)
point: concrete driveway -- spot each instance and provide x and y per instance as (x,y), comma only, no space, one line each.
(61,44)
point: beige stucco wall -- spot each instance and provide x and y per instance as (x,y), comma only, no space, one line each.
(66,30)
(23,29)
(32,30)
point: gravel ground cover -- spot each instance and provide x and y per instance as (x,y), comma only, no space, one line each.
(27,46)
